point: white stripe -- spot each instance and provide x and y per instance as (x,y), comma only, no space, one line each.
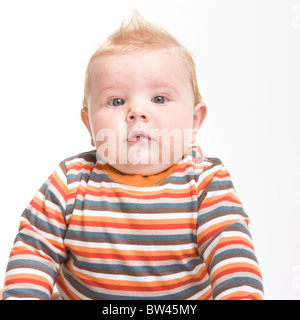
(228,234)
(136,216)
(128,200)
(29,271)
(225,203)
(220,192)
(226,217)
(51,236)
(128,188)
(50,204)
(40,196)
(129,231)
(61,175)
(214,169)
(76,184)
(246,289)
(128,247)
(16,298)
(79,159)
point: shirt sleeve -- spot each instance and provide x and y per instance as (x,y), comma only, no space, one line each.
(38,249)
(224,240)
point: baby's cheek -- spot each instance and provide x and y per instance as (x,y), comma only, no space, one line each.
(106,146)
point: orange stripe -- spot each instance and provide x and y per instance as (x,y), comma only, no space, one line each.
(71,295)
(137,179)
(234,268)
(207,295)
(26,280)
(138,221)
(77,166)
(213,230)
(49,213)
(59,185)
(239,295)
(208,202)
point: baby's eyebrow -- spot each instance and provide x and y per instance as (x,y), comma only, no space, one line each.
(165,86)
(155,86)
(111,87)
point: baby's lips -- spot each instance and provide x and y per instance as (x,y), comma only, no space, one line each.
(138,136)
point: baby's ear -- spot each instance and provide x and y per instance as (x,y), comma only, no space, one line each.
(200,111)
(86,120)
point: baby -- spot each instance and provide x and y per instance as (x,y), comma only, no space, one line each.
(144,215)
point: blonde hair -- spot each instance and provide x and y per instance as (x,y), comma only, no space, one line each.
(136,36)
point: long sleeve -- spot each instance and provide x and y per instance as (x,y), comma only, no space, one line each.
(38,249)
(224,240)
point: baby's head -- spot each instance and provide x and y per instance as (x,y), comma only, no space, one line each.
(142,104)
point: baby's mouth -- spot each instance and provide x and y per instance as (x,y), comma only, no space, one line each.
(138,137)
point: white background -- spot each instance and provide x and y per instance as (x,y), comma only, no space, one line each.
(248,61)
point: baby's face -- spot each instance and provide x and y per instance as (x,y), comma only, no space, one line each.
(141,112)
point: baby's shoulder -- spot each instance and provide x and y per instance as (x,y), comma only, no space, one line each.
(85,156)
(82,162)
(200,163)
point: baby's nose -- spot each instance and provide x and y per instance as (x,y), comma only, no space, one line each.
(137,113)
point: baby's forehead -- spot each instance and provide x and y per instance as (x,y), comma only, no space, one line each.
(161,61)
(155,68)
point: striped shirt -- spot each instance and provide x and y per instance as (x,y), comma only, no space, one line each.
(99,234)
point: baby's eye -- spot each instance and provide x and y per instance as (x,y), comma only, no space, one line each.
(159,99)
(116,102)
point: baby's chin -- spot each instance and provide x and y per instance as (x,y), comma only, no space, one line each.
(141,169)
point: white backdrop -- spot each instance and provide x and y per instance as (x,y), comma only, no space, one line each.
(248,61)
